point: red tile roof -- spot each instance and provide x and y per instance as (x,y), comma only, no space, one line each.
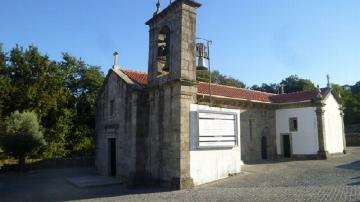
(139,77)
(237,93)
(297,96)
(233,92)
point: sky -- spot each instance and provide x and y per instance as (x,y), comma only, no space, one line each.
(256,41)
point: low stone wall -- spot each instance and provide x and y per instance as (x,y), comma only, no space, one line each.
(353,139)
(353,128)
(52,163)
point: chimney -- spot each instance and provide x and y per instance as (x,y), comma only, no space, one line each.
(116,60)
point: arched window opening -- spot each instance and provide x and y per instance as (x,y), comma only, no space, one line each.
(163,56)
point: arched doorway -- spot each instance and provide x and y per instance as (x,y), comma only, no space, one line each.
(264,154)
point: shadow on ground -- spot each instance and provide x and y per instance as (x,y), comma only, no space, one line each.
(52,185)
(352,166)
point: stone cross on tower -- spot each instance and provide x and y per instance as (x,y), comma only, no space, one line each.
(328,81)
(158,5)
(319,95)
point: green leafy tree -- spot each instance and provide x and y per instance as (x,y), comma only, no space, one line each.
(270,88)
(355,89)
(61,93)
(218,78)
(350,102)
(83,81)
(22,135)
(4,83)
(37,85)
(294,84)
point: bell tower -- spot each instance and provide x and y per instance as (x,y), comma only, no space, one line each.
(172,88)
(172,38)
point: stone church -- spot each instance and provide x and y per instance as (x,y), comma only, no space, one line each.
(164,127)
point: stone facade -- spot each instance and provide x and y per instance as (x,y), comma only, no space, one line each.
(150,124)
(170,95)
(116,118)
(258,143)
(257,138)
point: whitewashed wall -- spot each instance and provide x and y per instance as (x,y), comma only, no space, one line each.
(333,126)
(211,165)
(305,140)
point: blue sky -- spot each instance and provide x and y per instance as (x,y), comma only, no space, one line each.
(255,41)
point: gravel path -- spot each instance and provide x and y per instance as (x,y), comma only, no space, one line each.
(337,179)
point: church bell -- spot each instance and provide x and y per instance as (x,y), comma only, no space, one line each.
(201,65)
(201,54)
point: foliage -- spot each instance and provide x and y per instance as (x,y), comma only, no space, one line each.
(270,88)
(22,135)
(351,103)
(61,93)
(294,84)
(218,78)
(291,84)
(84,82)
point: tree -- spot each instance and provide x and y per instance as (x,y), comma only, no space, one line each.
(350,102)
(62,94)
(294,84)
(37,85)
(22,135)
(83,81)
(270,88)
(355,89)
(4,83)
(218,78)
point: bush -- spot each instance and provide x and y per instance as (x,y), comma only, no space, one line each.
(21,136)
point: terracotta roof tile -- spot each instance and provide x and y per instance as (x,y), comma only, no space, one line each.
(237,93)
(139,77)
(233,92)
(297,96)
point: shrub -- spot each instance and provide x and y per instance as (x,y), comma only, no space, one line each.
(22,135)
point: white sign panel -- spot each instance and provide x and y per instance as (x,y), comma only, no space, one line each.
(217,129)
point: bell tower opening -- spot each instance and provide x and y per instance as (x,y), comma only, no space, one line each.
(172,43)
(163,54)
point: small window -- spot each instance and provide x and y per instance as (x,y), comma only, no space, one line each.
(293,124)
(112,102)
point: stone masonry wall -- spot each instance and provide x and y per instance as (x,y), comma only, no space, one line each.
(170,96)
(264,125)
(352,139)
(119,124)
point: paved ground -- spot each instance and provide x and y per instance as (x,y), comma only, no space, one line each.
(337,179)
